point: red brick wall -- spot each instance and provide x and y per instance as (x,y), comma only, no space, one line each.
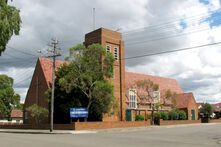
(114,39)
(192,105)
(106,125)
(215,121)
(36,94)
(177,122)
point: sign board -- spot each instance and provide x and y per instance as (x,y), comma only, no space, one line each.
(78,112)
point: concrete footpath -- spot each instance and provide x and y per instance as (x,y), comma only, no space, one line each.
(29,131)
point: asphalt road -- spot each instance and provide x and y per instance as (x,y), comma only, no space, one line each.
(203,135)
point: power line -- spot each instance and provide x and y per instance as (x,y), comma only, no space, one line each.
(171,22)
(26,53)
(171,36)
(170,51)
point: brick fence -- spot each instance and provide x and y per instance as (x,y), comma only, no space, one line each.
(215,121)
(106,125)
(100,125)
(177,122)
(78,125)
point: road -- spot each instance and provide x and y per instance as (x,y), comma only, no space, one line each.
(203,135)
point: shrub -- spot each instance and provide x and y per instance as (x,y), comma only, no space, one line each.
(156,115)
(173,115)
(139,118)
(164,115)
(182,115)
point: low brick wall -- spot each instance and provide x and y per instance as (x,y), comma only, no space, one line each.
(177,122)
(106,125)
(215,121)
(42,127)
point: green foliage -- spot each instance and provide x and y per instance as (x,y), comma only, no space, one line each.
(83,82)
(10,22)
(37,112)
(173,115)
(206,109)
(177,114)
(164,115)
(148,85)
(182,115)
(156,115)
(139,118)
(8,98)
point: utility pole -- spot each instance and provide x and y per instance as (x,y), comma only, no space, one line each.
(93,18)
(54,52)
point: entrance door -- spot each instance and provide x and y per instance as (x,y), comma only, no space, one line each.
(128,115)
(193,114)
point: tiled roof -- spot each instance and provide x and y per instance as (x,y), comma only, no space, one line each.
(182,100)
(46,65)
(16,113)
(164,83)
(217,106)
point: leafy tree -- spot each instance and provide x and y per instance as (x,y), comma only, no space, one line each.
(182,115)
(206,109)
(148,88)
(85,80)
(173,115)
(38,113)
(8,98)
(139,118)
(10,22)
(164,115)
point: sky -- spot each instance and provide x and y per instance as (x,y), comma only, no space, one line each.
(147,26)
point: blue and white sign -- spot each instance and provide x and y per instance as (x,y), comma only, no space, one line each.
(78,112)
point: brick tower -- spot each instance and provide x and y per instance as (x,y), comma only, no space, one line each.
(112,42)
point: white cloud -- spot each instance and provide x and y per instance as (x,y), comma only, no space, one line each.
(196,70)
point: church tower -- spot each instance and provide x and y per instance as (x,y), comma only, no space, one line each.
(113,43)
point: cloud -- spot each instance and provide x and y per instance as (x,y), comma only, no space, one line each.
(157,26)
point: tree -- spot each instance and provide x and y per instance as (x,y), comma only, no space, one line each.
(37,112)
(8,98)
(150,93)
(10,22)
(88,76)
(206,109)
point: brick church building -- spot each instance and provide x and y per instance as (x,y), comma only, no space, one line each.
(123,81)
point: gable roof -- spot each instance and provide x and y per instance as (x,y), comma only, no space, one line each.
(46,65)
(182,100)
(15,113)
(217,106)
(164,83)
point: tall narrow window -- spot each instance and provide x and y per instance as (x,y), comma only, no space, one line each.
(116,53)
(132,99)
(108,48)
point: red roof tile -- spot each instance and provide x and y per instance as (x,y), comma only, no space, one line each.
(46,65)
(182,100)
(16,113)
(164,83)
(217,106)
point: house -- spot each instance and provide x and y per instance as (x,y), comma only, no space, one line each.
(123,81)
(187,102)
(16,117)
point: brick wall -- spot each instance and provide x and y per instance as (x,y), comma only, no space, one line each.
(78,125)
(215,121)
(106,125)
(177,122)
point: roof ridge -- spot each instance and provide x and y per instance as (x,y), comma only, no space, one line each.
(150,75)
